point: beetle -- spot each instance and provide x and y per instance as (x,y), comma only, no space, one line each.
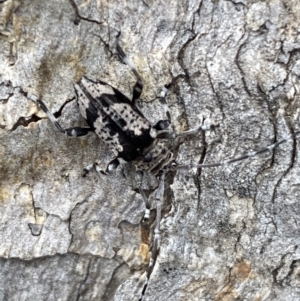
(126,131)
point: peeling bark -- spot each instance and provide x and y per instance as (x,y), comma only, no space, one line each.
(228,233)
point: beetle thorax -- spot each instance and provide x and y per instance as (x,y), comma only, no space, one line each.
(155,158)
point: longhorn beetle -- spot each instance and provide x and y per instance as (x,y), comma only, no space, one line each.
(123,127)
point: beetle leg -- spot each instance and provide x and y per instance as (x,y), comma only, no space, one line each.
(195,131)
(140,175)
(111,166)
(138,87)
(73,132)
(156,238)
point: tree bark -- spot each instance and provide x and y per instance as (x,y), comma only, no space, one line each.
(227,233)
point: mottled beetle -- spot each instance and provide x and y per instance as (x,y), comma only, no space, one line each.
(123,127)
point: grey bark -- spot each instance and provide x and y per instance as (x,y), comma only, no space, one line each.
(228,233)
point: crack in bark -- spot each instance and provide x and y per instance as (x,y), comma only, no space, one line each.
(180,56)
(240,233)
(82,288)
(287,69)
(293,156)
(70,218)
(227,283)
(197,180)
(196,12)
(106,46)
(236,3)
(36,229)
(25,121)
(239,66)
(79,17)
(115,282)
(275,272)
(292,267)
(5,100)
(7,84)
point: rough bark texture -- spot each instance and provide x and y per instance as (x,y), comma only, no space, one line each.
(228,233)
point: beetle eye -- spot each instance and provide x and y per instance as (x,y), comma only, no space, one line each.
(173,164)
(147,157)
